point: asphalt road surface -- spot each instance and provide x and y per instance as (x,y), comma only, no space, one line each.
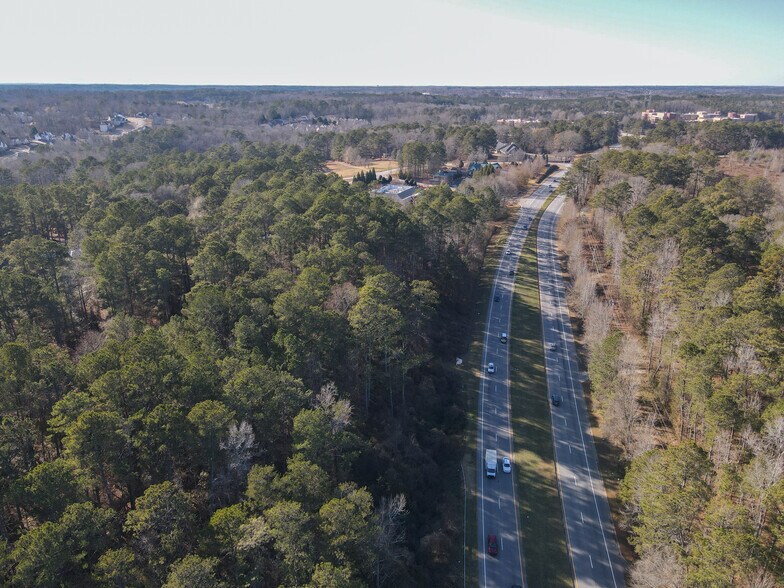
(497,510)
(593,548)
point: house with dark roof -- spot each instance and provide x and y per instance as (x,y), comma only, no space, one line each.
(506,148)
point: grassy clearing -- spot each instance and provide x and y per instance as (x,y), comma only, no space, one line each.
(544,540)
(348,171)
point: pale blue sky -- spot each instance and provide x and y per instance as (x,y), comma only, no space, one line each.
(396,42)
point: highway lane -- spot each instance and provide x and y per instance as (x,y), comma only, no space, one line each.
(497,510)
(593,547)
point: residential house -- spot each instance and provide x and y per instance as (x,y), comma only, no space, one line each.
(474,166)
(506,148)
(448,176)
(45,137)
(400,192)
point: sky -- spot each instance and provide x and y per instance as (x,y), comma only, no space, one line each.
(397,42)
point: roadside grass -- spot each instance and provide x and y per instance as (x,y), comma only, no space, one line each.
(541,520)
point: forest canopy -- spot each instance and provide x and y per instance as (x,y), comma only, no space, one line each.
(229,366)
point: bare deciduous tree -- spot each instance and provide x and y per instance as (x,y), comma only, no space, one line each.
(583,293)
(759,579)
(598,321)
(658,568)
(640,189)
(623,412)
(391,535)
(342,297)
(339,411)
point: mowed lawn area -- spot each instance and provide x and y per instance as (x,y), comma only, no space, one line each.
(544,538)
(348,171)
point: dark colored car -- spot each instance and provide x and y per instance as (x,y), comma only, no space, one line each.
(496,298)
(511,272)
(555,399)
(492,545)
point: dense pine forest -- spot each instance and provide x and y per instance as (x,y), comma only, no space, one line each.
(676,251)
(221,365)
(229,368)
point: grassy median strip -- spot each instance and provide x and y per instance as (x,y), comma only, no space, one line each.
(544,538)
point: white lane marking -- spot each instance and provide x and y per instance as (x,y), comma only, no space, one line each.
(570,376)
(582,518)
(498,282)
(575,480)
(499,503)
(502,543)
(570,448)
(591,560)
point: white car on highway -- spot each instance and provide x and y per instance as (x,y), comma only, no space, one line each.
(552,346)
(491,368)
(507,465)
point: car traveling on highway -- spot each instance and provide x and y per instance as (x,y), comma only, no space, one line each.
(491,368)
(507,465)
(492,545)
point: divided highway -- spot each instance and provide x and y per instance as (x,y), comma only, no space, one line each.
(593,548)
(497,509)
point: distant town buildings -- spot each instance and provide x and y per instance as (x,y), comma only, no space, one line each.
(653,116)
(517,121)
